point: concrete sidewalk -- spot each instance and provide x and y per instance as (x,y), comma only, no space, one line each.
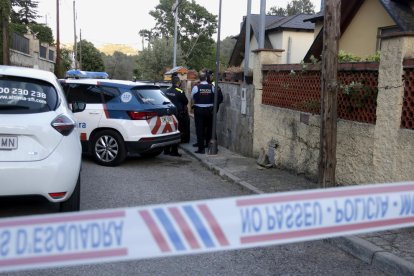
(389,251)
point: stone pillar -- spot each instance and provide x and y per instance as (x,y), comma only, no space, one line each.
(389,106)
(261,57)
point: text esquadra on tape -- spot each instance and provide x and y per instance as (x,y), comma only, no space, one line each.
(202,226)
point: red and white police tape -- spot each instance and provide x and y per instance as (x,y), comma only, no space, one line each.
(202,226)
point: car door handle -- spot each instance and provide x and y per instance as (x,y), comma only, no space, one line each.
(94,113)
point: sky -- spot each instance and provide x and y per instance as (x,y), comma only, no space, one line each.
(119,21)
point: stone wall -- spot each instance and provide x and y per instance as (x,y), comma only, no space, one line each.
(291,140)
(366,153)
(234,129)
(33,60)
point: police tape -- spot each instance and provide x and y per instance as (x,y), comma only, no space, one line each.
(202,226)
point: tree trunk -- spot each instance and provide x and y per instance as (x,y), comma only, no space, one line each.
(5,36)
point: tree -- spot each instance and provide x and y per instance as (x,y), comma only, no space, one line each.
(91,57)
(153,61)
(43,33)
(226,49)
(119,65)
(24,15)
(294,7)
(277,11)
(196,27)
(5,9)
(24,11)
(65,60)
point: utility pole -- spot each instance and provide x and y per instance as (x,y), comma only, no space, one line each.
(175,10)
(247,40)
(74,30)
(262,31)
(213,147)
(329,93)
(58,72)
(80,49)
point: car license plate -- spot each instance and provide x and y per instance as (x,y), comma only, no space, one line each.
(8,142)
(166,119)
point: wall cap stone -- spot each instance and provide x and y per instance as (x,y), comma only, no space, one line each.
(268,50)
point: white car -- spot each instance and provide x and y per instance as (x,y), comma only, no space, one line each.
(40,152)
(122,118)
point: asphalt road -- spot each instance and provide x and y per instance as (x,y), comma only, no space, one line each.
(165,179)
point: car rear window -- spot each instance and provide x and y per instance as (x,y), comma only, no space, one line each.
(25,95)
(150,95)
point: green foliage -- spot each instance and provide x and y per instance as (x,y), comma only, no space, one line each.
(43,33)
(344,57)
(5,8)
(294,7)
(24,11)
(277,11)
(196,27)
(18,28)
(153,61)
(375,57)
(359,94)
(226,49)
(65,60)
(119,65)
(91,57)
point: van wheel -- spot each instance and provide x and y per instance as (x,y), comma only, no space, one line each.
(73,202)
(108,148)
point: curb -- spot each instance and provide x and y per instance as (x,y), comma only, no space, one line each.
(357,247)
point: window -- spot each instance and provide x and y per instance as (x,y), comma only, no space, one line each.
(110,94)
(51,55)
(24,95)
(43,51)
(89,94)
(20,43)
(149,95)
(385,31)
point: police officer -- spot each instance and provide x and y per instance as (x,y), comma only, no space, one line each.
(203,99)
(179,99)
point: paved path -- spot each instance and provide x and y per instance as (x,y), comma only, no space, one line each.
(389,251)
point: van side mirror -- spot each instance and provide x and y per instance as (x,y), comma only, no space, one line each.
(78,106)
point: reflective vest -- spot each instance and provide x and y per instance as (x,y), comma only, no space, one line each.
(205,94)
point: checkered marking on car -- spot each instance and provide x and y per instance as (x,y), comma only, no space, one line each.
(161,125)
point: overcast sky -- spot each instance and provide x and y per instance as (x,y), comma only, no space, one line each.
(119,21)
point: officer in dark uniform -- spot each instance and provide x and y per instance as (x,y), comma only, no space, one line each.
(179,99)
(203,99)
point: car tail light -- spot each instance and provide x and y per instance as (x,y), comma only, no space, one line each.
(143,115)
(63,124)
(57,195)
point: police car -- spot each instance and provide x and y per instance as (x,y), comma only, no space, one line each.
(122,118)
(40,152)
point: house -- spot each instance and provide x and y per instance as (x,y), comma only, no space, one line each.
(364,23)
(27,51)
(180,70)
(289,33)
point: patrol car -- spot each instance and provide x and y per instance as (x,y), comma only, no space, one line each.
(122,118)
